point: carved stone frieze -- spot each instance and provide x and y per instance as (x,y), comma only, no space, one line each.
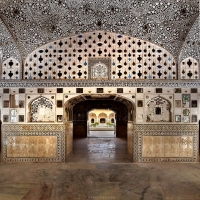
(93,83)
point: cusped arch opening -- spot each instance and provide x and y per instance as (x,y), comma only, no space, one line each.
(41,109)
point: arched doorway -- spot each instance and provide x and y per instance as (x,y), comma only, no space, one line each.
(76,113)
(81,109)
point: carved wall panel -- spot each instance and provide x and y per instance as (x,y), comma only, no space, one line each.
(32,146)
(33,143)
(167,146)
(165,143)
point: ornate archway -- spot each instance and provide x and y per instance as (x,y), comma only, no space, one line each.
(79,106)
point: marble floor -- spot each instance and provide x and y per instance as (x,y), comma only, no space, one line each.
(99,150)
(99,170)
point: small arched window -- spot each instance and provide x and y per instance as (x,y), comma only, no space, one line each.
(112,121)
(102,120)
(92,121)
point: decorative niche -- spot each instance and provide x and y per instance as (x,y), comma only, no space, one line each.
(186,100)
(178,103)
(139,90)
(59,118)
(99,90)
(159,90)
(21,90)
(79,90)
(119,90)
(42,110)
(21,118)
(59,103)
(177,90)
(13,115)
(140,103)
(59,90)
(6,103)
(5,118)
(99,68)
(40,90)
(177,118)
(193,90)
(194,103)
(6,90)
(158,109)
(194,118)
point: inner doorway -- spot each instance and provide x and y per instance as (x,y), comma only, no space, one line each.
(80,116)
(99,149)
(101,123)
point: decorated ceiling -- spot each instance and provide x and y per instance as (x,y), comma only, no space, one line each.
(28,24)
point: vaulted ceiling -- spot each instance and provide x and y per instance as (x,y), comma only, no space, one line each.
(27,24)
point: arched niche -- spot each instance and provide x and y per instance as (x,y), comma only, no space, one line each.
(100,55)
(10,69)
(42,110)
(189,68)
(158,109)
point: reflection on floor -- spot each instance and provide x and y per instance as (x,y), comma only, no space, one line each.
(101,134)
(99,150)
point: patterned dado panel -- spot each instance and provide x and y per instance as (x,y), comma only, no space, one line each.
(117,57)
(165,143)
(33,143)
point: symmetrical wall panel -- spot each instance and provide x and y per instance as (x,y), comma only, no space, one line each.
(33,143)
(117,57)
(165,143)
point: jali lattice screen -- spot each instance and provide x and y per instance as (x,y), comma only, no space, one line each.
(129,58)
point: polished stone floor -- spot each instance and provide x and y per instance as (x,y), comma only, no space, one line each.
(98,170)
(99,150)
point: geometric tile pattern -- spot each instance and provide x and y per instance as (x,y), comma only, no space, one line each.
(129,58)
(164,130)
(35,130)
